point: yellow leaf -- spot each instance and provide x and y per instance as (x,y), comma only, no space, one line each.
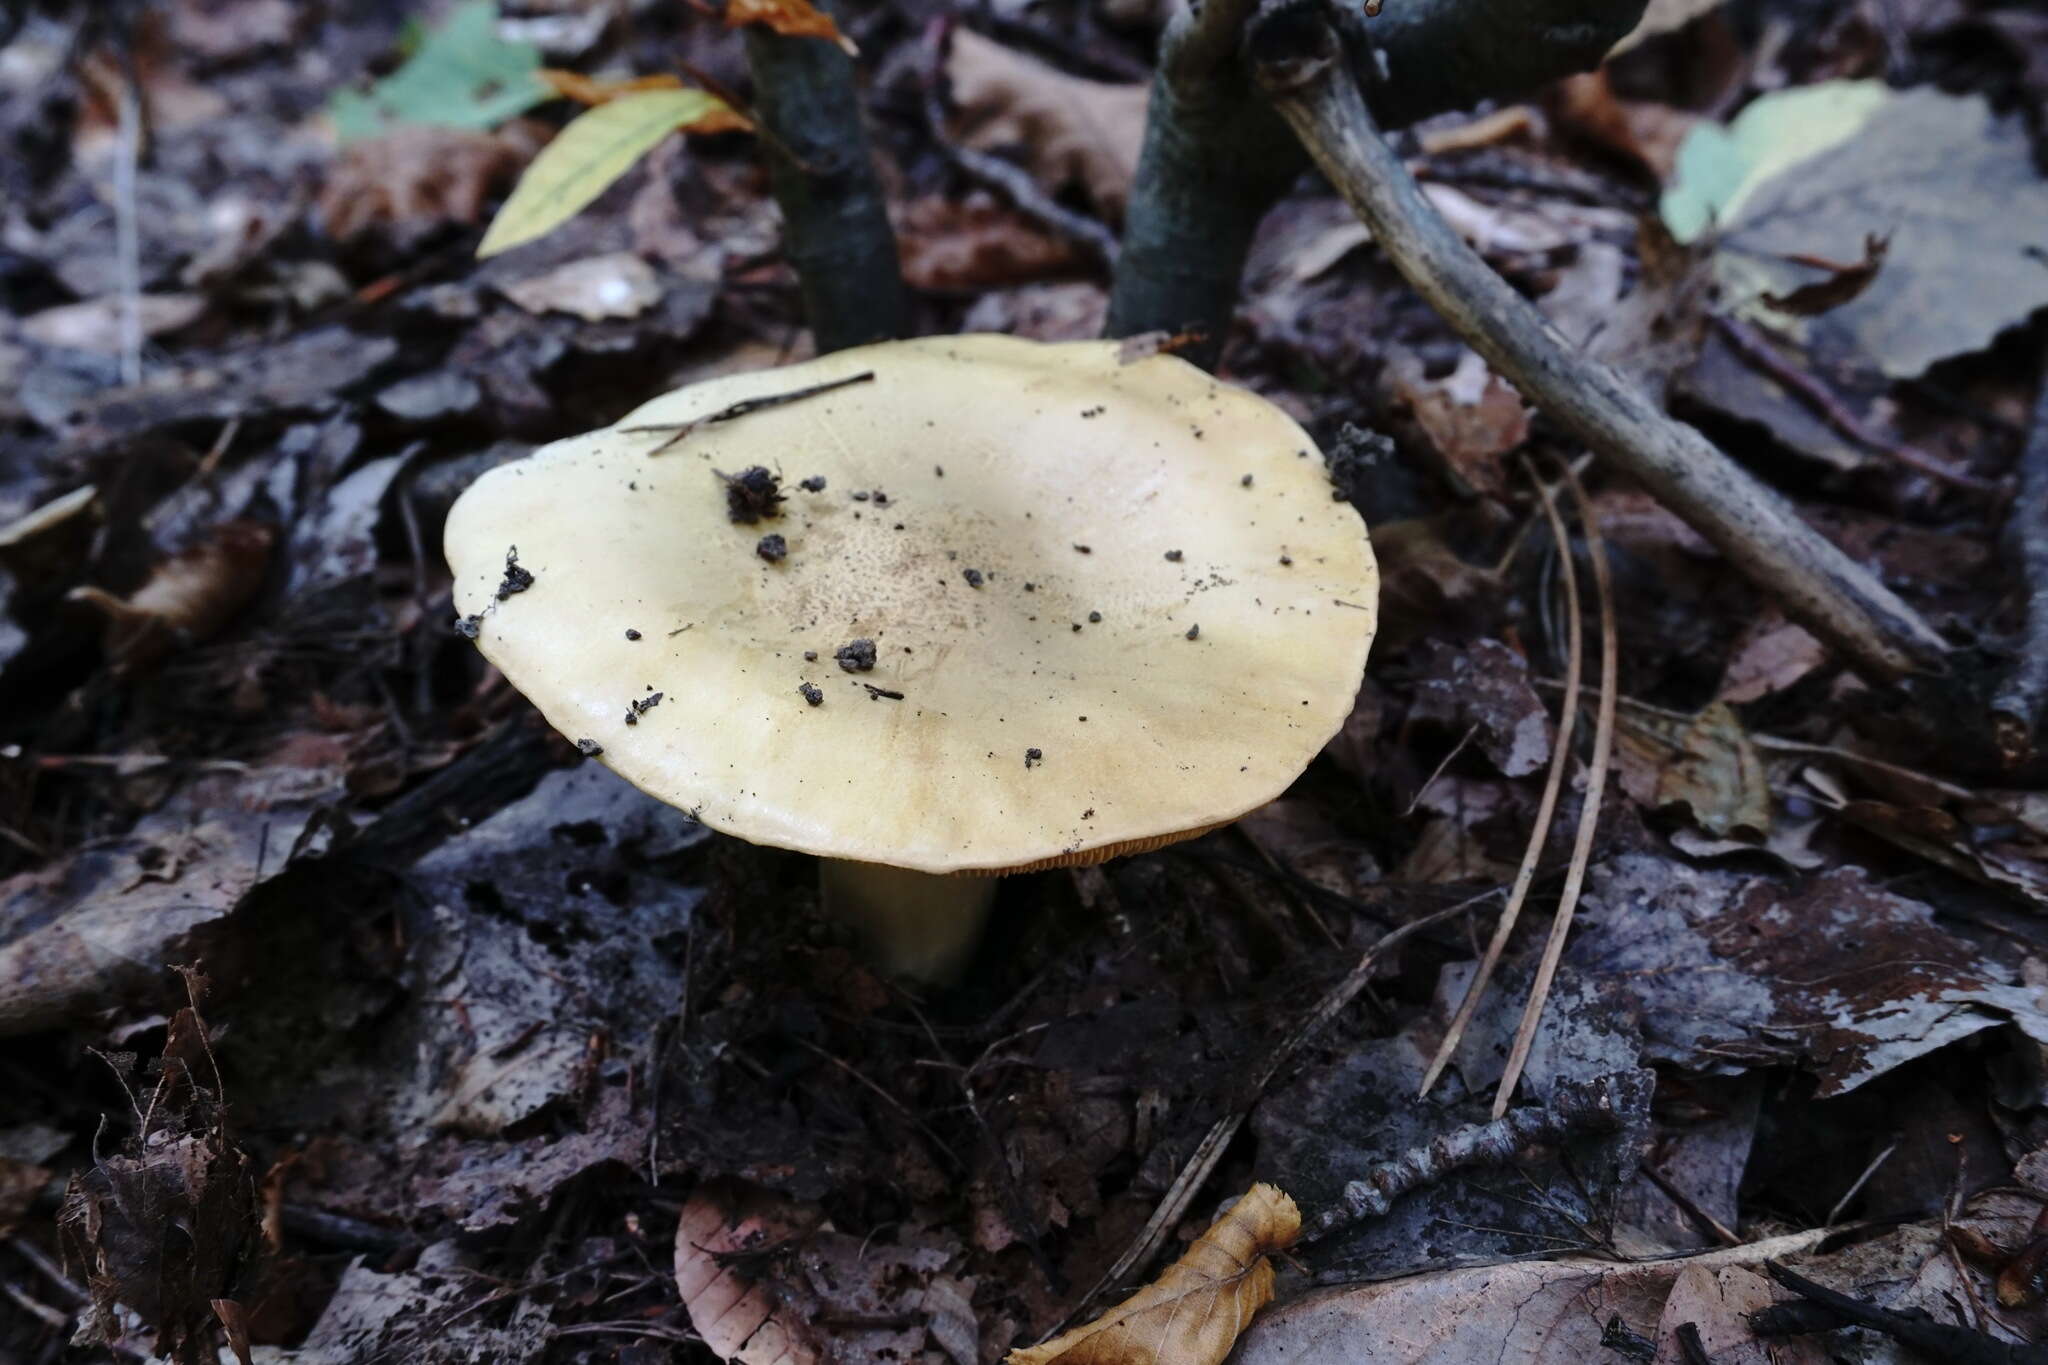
(594,150)
(1190,1315)
(790,18)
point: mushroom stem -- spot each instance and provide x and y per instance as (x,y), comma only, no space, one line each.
(919,924)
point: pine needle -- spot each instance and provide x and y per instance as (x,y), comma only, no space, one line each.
(1546,809)
(1589,809)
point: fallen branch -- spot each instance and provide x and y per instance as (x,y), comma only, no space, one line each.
(1300,66)
(1216,158)
(2016,710)
(835,220)
(1603,1106)
(1821,1309)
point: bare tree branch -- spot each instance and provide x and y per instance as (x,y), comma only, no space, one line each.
(1216,157)
(1301,66)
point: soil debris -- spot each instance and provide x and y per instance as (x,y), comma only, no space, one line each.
(751,495)
(517,579)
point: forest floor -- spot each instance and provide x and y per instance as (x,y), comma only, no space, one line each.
(348,1015)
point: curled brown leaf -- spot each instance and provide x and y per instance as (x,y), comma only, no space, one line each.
(187,598)
(1192,1314)
(790,18)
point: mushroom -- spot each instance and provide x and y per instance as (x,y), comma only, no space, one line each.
(989,732)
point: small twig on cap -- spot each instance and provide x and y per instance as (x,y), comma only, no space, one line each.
(2016,710)
(1546,808)
(1589,805)
(678,430)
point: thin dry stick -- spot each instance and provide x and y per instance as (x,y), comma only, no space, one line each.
(1821,587)
(1810,390)
(1589,809)
(1546,809)
(678,430)
(1174,1204)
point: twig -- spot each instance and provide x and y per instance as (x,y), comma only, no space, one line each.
(1215,158)
(1196,1171)
(835,218)
(1546,808)
(1589,805)
(1912,1328)
(1599,1107)
(1691,1207)
(1821,587)
(678,430)
(1835,1213)
(1811,391)
(1007,178)
(2016,710)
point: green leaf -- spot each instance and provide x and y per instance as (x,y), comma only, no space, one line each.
(587,156)
(461,75)
(1720,167)
(1806,175)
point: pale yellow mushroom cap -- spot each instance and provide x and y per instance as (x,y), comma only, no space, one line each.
(1044,448)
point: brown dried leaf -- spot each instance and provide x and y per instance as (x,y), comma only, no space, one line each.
(1472,417)
(165,1228)
(1770,655)
(1072,131)
(1718,1301)
(99,926)
(974,244)
(790,18)
(1529,1312)
(1193,1312)
(1646,132)
(734,1313)
(1484,689)
(1423,582)
(418,177)
(188,597)
(1832,973)
(1844,282)
(1708,765)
